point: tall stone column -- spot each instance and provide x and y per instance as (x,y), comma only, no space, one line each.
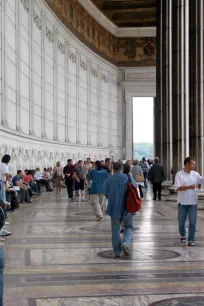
(180,84)
(196,83)
(158,147)
(163,102)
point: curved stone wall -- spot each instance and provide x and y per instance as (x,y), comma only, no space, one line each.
(58,99)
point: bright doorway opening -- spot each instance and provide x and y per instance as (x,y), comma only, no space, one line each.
(143,127)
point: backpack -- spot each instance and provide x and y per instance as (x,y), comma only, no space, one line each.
(133,201)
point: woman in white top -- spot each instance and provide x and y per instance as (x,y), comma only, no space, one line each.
(58,173)
(4,172)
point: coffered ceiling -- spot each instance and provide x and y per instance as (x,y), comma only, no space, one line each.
(129,13)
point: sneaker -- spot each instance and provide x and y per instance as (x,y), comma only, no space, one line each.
(117,255)
(191,243)
(99,219)
(7,223)
(154,199)
(125,250)
(4,232)
(183,239)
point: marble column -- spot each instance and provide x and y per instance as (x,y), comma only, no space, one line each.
(167,88)
(196,83)
(172,102)
(180,84)
(129,128)
(158,120)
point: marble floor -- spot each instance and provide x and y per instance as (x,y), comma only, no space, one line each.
(58,255)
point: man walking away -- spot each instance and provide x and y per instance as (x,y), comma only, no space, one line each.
(115,189)
(186,181)
(157,177)
(69,171)
(98,177)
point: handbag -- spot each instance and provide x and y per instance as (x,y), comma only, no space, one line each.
(139,178)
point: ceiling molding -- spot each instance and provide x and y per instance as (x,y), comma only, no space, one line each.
(111,27)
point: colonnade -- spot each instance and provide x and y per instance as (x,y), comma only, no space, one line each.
(179,102)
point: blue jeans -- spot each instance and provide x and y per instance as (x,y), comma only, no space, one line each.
(189,211)
(2,263)
(129,229)
(145,178)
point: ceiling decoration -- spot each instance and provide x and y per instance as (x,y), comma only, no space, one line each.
(129,13)
(134,51)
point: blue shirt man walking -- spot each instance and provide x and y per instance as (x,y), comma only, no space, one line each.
(115,189)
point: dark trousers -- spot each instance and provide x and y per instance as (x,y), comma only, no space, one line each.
(70,188)
(141,192)
(157,187)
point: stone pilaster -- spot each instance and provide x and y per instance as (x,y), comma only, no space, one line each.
(99,107)
(180,84)
(196,83)
(66,91)
(31,93)
(109,109)
(18,67)
(43,132)
(89,102)
(77,95)
(55,85)
(3,66)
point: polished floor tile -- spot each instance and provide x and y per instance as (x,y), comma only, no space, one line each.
(58,255)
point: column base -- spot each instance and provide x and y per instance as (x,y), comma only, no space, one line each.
(99,145)
(18,128)
(56,138)
(4,122)
(67,140)
(44,135)
(89,143)
(78,142)
(32,133)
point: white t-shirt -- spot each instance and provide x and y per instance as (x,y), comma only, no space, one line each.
(187,197)
(3,170)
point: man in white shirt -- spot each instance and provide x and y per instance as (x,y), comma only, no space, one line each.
(186,182)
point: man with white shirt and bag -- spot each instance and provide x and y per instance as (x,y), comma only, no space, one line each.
(186,182)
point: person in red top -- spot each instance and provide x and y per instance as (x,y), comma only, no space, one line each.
(70,174)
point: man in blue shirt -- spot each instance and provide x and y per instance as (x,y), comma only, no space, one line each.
(98,177)
(115,189)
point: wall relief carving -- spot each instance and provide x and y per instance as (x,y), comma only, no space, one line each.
(120,51)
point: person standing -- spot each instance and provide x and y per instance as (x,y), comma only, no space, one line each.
(4,173)
(69,173)
(98,177)
(115,190)
(145,168)
(58,172)
(157,177)
(186,182)
(107,165)
(137,174)
(80,180)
